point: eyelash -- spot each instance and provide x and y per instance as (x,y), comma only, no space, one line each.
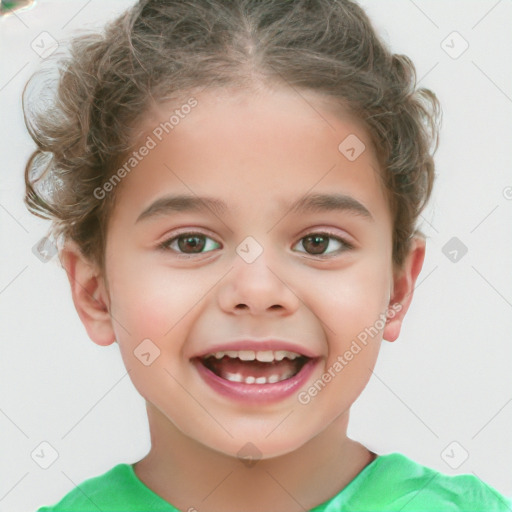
(346,246)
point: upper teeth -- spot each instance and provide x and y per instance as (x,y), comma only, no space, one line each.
(265,356)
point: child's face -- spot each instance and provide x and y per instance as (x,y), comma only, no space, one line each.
(252,274)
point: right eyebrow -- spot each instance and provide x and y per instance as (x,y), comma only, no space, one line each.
(182,203)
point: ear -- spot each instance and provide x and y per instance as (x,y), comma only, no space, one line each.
(89,294)
(403,288)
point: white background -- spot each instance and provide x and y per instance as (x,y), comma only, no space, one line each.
(446,379)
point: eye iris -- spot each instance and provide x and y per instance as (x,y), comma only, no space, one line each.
(319,242)
(190,242)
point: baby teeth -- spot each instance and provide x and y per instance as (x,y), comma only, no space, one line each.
(236,377)
(264,356)
(280,355)
(245,355)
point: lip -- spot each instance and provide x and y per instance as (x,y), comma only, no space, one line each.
(257,345)
(256,393)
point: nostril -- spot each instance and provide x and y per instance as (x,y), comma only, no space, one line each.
(245,306)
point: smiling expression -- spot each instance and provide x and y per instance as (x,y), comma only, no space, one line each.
(251,253)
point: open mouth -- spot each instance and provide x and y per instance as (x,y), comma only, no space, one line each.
(255,367)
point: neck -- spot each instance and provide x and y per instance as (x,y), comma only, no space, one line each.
(192,476)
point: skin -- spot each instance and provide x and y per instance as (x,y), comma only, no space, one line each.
(256,152)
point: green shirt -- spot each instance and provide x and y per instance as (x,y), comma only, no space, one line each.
(390,482)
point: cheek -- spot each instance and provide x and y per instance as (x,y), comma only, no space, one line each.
(359,323)
(358,295)
(151,300)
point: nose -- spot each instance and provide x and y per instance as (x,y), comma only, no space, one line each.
(257,288)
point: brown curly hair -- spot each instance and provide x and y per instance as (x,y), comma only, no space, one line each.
(161,49)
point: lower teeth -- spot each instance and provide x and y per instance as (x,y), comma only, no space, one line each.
(253,372)
(237,377)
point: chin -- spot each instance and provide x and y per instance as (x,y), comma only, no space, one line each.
(257,447)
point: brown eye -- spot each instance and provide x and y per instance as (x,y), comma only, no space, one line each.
(317,243)
(190,243)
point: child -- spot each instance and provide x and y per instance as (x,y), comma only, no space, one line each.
(236,186)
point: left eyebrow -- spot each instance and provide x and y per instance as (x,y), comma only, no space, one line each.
(314,203)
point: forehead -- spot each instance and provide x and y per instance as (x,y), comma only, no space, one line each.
(245,147)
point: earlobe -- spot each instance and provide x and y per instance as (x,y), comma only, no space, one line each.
(89,294)
(403,289)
